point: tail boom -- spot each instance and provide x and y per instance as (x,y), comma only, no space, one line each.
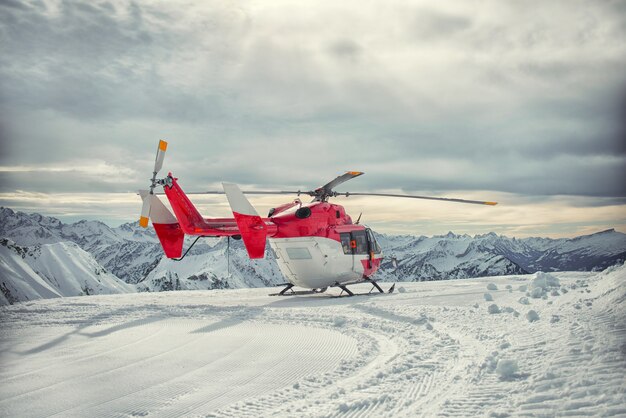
(252,228)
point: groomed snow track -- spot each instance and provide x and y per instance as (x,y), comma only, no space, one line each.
(432,349)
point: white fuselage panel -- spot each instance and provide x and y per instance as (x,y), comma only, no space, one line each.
(316,262)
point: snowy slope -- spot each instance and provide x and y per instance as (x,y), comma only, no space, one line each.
(18,281)
(546,345)
(129,252)
(53,270)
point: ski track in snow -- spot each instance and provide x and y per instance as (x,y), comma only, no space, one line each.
(432,350)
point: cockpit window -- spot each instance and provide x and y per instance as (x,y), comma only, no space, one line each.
(345,242)
(361,242)
(373,244)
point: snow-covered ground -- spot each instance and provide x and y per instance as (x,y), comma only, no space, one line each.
(534,345)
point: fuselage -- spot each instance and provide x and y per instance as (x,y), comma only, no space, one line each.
(317,245)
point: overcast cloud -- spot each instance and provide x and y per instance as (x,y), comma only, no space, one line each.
(524,101)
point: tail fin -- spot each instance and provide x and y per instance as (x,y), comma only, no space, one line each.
(252,228)
(168,230)
(188,216)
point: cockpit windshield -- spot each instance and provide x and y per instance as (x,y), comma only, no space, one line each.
(375,248)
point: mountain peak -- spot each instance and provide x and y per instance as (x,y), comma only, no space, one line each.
(449,235)
(487,235)
(606,231)
(7,211)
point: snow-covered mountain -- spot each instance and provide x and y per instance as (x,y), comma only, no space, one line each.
(127,251)
(462,256)
(134,255)
(445,257)
(52,270)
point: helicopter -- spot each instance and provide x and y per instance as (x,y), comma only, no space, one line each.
(317,245)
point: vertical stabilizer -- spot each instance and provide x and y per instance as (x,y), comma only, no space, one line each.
(186,213)
(252,228)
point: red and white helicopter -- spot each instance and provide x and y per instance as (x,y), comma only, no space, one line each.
(317,245)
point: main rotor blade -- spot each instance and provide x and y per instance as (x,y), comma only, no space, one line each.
(252,192)
(348,194)
(328,187)
(445,199)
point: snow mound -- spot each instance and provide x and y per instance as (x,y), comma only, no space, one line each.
(339,321)
(507,369)
(493,309)
(544,281)
(510,310)
(532,316)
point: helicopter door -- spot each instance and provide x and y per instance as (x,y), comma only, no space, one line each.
(280,253)
(348,245)
(359,246)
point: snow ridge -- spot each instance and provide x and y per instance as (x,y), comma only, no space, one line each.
(52,270)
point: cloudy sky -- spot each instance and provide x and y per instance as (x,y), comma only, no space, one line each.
(523,102)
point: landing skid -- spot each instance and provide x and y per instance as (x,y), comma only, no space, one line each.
(288,291)
(374,284)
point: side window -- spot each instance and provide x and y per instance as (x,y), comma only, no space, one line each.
(345,242)
(299,253)
(373,244)
(361,242)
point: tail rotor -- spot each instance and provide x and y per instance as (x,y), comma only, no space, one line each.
(146,194)
(145,208)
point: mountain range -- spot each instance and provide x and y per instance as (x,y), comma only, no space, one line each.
(40,256)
